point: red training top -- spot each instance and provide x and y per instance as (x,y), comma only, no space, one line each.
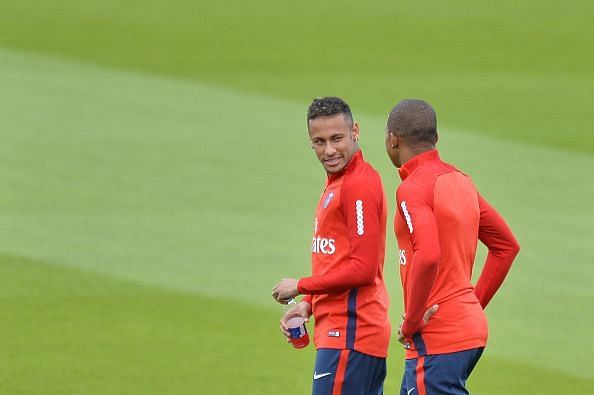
(440,218)
(347,290)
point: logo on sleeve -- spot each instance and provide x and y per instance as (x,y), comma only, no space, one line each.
(328,199)
(359,212)
(407,216)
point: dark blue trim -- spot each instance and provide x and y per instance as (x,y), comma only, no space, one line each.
(419,344)
(351,331)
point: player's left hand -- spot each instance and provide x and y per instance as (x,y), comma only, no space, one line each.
(428,314)
(285,290)
(400,337)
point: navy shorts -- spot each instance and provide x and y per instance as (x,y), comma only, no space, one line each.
(348,372)
(440,374)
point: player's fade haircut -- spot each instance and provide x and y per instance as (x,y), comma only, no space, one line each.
(415,121)
(327,107)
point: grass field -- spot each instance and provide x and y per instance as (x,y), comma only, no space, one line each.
(156,181)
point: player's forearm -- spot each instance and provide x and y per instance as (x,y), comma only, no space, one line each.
(353,275)
(494,272)
(422,277)
(305,308)
(503,248)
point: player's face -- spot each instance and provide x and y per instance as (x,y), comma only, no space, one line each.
(392,149)
(334,140)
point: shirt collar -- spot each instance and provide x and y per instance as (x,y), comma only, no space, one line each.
(357,157)
(417,162)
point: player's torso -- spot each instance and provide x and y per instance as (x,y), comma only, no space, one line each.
(330,250)
(459,323)
(356,318)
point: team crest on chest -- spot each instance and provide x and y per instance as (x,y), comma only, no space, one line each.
(328,199)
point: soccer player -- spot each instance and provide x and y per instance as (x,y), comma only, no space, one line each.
(346,292)
(439,219)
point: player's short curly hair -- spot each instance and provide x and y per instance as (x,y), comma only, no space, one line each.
(415,121)
(328,106)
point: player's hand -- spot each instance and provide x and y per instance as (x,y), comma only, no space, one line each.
(400,337)
(285,290)
(429,313)
(301,309)
(426,317)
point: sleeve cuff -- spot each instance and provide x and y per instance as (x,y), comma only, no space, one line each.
(409,328)
(300,287)
(307,299)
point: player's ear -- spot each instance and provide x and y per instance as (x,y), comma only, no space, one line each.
(355,131)
(394,140)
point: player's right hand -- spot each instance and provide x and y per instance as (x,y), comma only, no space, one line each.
(301,309)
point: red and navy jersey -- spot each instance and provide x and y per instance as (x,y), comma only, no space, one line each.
(440,218)
(347,290)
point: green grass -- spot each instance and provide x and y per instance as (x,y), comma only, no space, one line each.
(156,181)
(67,331)
(508,69)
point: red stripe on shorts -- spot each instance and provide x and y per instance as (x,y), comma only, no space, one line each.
(340,371)
(421,376)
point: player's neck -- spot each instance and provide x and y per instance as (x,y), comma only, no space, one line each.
(409,153)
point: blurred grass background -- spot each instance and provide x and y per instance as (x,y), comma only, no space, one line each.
(157,180)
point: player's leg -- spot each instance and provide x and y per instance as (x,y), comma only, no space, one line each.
(364,375)
(473,360)
(325,371)
(378,376)
(403,384)
(446,374)
(409,378)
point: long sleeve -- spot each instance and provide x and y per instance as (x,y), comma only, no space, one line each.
(306,298)
(424,236)
(362,208)
(503,248)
